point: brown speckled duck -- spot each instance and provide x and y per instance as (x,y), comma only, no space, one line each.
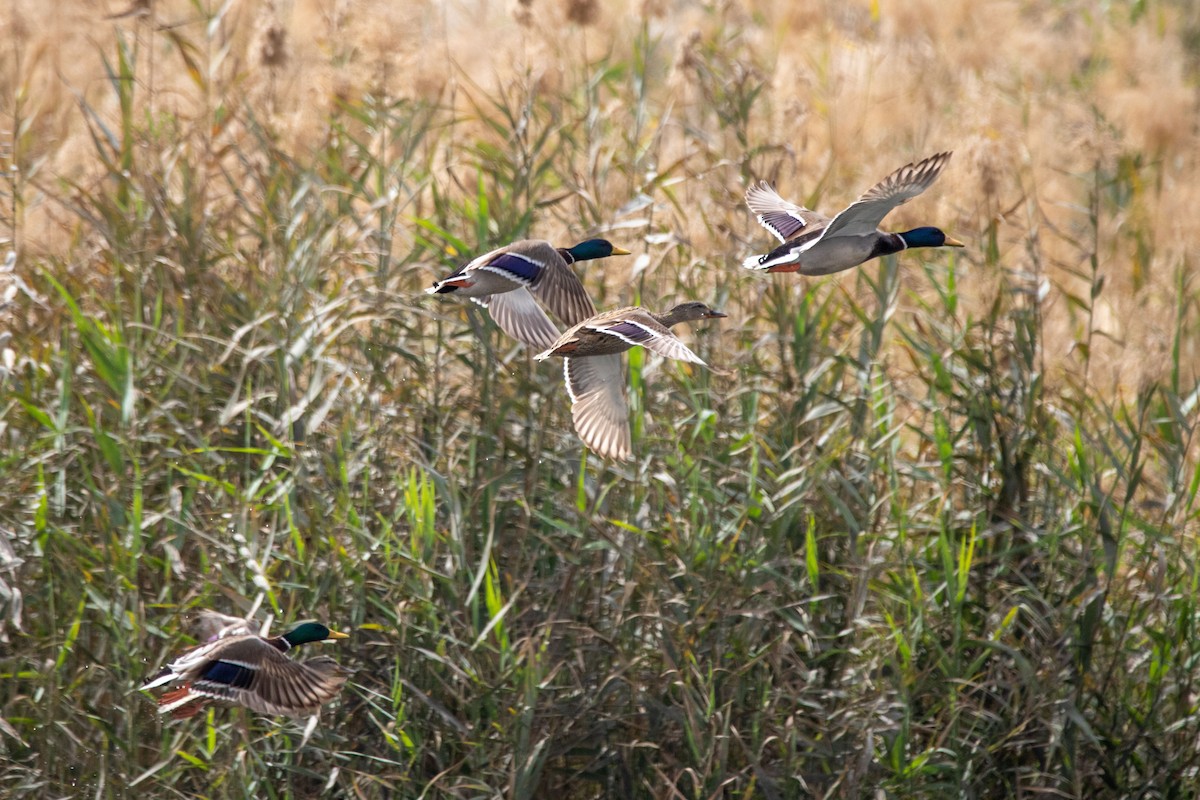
(591,353)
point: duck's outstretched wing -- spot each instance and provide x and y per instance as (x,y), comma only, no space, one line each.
(559,287)
(864,215)
(596,385)
(781,217)
(519,316)
(642,329)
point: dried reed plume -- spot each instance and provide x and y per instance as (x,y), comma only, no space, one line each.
(271,41)
(522,12)
(582,12)
(138,8)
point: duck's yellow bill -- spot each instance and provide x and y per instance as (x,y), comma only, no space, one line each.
(953,242)
(336,635)
(620,251)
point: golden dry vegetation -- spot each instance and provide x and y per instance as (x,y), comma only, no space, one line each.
(1038,100)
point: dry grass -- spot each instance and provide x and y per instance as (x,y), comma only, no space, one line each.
(1034,98)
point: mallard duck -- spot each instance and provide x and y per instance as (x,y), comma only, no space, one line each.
(592,367)
(239,668)
(506,280)
(813,244)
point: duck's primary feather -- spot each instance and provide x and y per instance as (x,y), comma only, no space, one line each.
(863,216)
(563,293)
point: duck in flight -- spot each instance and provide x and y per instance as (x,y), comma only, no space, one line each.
(240,668)
(595,375)
(506,281)
(813,244)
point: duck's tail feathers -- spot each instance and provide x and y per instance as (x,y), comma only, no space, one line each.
(785,263)
(180,703)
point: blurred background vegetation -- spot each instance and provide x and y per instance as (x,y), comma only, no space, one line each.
(927,529)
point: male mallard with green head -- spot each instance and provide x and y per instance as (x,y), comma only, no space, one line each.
(594,374)
(506,280)
(814,244)
(252,671)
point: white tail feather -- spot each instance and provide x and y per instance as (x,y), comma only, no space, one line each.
(762,262)
(164,677)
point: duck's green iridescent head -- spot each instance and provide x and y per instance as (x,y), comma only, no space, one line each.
(928,237)
(593,249)
(308,632)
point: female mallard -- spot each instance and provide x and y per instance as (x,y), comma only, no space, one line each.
(813,244)
(252,671)
(592,367)
(506,280)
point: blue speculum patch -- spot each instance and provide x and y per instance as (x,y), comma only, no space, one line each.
(517,266)
(630,331)
(229,674)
